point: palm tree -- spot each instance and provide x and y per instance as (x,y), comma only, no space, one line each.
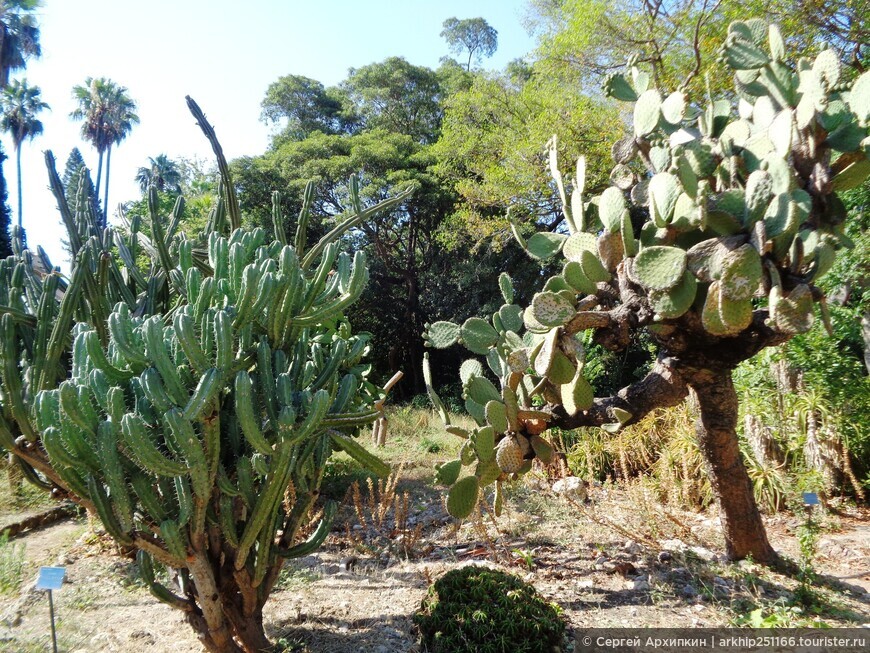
(20,104)
(163,173)
(108,117)
(19,36)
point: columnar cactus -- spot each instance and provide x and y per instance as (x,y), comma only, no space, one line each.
(200,407)
(720,217)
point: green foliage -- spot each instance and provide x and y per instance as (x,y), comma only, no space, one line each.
(21,36)
(396,96)
(717,215)
(472,34)
(779,615)
(192,404)
(162,172)
(306,106)
(482,609)
(5,213)
(808,537)
(491,151)
(11,565)
(588,39)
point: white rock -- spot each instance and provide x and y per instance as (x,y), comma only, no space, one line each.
(572,487)
(632,547)
(703,553)
(674,545)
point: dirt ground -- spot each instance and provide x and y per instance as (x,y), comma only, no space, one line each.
(614,559)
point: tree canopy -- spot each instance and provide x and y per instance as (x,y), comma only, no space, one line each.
(475,35)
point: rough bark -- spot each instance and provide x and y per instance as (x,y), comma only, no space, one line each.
(105,216)
(717,437)
(690,357)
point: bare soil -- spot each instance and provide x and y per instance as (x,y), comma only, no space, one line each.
(615,559)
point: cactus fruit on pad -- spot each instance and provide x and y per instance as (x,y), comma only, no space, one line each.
(509,454)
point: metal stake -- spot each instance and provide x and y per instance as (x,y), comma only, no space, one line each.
(53,633)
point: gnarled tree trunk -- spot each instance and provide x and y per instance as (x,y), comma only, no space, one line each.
(717,437)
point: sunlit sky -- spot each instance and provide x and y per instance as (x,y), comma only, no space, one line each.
(224,54)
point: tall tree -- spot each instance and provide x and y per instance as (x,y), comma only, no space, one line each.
(5,214)
(75,163)
(162,172)
(492,150)
(472,34)
(20,105)
(397,96)
(108,116)
(73,173)
(306,106)
(19,36)
(122,118)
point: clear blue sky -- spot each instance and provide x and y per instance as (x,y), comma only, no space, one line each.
(222,53)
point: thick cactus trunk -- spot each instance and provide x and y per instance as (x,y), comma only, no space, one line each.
(223,625)
(717,436)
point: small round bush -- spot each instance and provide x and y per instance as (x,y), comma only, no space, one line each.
(487,611)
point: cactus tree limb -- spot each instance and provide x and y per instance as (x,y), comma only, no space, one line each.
(712,244)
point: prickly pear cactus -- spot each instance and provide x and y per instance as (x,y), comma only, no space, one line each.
(721,216)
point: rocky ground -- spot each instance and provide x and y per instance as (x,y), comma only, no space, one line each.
(614,558)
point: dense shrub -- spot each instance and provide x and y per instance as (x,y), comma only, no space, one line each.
(488,611)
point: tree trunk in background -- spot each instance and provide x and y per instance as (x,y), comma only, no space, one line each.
(96,198)
(717,436)
(106,194)
(18,170)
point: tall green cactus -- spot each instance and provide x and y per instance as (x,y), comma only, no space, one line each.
(720,218)
(191,405)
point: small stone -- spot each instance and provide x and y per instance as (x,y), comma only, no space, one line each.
(674,545)
(689,591)
(637,585)
(632,547)
(601,560)
(348,563)
(572,487)
(625,568)
(703,553)
(718,580)
(665,556)
(583,584)
(331,569)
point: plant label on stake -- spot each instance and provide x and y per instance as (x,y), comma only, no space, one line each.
(51,578)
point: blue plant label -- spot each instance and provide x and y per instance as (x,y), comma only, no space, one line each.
(811,499)
(50,578)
